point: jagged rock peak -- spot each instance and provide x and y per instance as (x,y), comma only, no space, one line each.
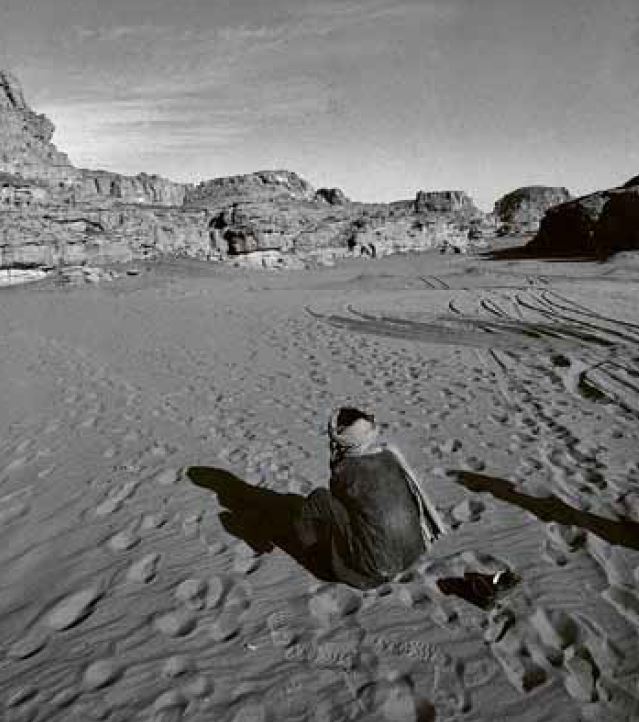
(333,196)
(25,137)
(11,94)
(253,187)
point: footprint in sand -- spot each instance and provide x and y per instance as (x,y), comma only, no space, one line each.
(216,589)
(191,525)
(123,541)
(168,477)
(192,593)
(145,569)
(176,666)
(169,707)
(562,541)
(14,506)
(153,521)
(236,601)
(334,602)
(114,501)
(73,609)
(468,510)
(177,623)
(31,643)
(282,628)
(394,700)
(226,626)
(101,673)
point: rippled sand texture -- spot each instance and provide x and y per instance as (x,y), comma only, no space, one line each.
(513,389)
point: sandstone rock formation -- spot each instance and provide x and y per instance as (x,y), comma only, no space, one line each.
(142,188)
(333,196)
(596,225)
(53,214)
(522,209)
(25,137)
(444,202)
(618,225)
(262,186)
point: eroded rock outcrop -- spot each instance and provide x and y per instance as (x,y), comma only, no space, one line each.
(521,210)
(596,226)
(332,196)
(444,202)
(142,188)
(25,137)
(260,187)
(53,214)
(73,236)
(618,225)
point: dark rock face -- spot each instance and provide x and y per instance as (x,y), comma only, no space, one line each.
(523,209)
(618,225)
(596,225)
(632,183)
(333,196)
(568,229)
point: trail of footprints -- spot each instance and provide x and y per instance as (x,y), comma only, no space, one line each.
(530,645)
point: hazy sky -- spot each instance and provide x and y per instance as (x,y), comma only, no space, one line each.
(379,97)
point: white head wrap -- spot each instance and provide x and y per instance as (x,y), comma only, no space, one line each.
(360,437)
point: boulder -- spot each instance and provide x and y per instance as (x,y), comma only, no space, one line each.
(332,196)
(568,229)
(618,226)
(522,209)
(597,225)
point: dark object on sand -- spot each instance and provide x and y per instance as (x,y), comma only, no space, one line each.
(375,520)
(482,590)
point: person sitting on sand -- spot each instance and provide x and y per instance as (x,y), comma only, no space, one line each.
(375,520)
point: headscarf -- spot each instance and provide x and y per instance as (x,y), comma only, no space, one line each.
(358,435)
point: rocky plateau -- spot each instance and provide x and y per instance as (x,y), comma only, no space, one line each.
(53,214)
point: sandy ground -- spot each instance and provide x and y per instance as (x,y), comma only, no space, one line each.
(123,597)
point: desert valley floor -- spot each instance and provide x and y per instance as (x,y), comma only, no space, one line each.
(124,597)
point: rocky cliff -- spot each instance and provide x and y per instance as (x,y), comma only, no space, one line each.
(25,137)
(521,210)
(52,213)
(27,151)
(596,225)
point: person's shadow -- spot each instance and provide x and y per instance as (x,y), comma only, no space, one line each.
(260,517)
(624,532)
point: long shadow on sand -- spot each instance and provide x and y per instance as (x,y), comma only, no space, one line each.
(525,253)
(260,517)
(621,533)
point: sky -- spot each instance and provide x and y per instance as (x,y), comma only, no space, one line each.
(378,97)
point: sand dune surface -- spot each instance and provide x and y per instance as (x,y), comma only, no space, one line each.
(126,593)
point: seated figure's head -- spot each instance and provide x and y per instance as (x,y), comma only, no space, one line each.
(350,429)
